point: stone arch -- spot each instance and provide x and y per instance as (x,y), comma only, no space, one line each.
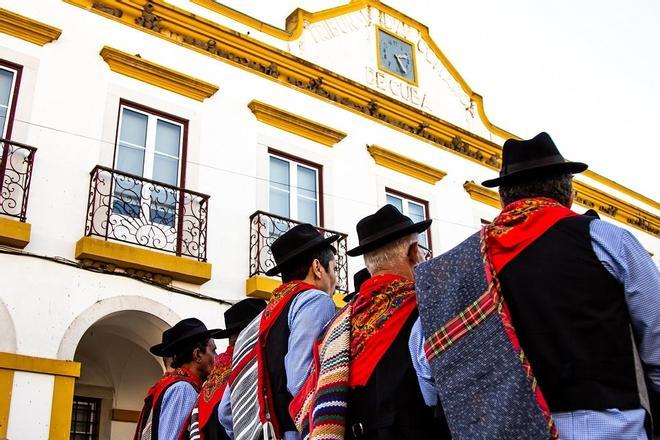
(105,308)
(7,330)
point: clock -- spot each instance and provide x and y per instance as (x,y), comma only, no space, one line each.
(396,56)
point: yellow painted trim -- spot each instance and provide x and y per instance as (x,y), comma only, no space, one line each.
(27,29)
(295,124)
(338,298)
(133,257)
(617,186)
(414,82)
(180,27)
(259,286)
(31,364)
(135,67)
(14,233)
(405,165)
(60,414)
(125,415)
(6,387)
(624,212)
(483,194)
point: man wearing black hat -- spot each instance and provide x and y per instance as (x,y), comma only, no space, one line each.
(204,423)
(169,402)
(528,323)
(364,385)
(273,354)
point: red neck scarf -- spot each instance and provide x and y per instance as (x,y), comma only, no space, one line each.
(381,308)
(519,225)
(214,386)
(156,391)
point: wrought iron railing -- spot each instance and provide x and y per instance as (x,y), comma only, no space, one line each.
(131,209)
(16,162)
(265,228)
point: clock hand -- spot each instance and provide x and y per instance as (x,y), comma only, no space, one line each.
(403,69)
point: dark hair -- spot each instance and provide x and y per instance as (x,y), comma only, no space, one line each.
(558,187)
(185,353)
(299,268)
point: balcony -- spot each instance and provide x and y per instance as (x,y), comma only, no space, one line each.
(143,225)
(265,228)
(16,161)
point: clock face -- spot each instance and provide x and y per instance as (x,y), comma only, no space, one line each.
(396,56)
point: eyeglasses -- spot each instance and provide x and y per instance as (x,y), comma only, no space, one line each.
(428,254)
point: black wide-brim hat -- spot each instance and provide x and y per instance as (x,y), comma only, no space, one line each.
(295,243)
(238,316)
(359,278)
(524,160)
(184,332)
(386,225)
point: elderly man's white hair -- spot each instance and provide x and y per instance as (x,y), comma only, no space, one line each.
(385,256)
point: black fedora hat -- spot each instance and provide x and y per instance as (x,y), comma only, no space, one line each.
(386,225)
(184,332)
(360,277)
(296,242)
(238,316)
(523,160)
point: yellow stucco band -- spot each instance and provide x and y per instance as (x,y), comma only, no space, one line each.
(259,286)
(133,257)
(14,233)
(27,29)
(60,414)
(31,364)
(483,194)
(6,386)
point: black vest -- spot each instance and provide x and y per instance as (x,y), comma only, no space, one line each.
(391,406)
(213,430)
(571,318)
(277,346)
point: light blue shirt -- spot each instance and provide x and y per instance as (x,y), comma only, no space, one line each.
(309,313)
(627,260)
(176,406)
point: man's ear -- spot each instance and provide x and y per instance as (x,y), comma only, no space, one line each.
(413,252)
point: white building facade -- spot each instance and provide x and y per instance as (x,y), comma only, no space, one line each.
(152,151)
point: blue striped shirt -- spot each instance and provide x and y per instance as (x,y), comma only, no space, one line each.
(627,260)
(178,402)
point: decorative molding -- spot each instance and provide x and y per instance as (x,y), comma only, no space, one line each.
(14,233)
(159,18)
(31,364)
(136,259)
(624,212)
(404,165)
(295,124)
(125,415)
(483,194)
(27,29)
(135,67)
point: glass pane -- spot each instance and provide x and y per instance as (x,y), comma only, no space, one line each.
(279,187)
(6,79)
(166,170)
(416,212)
(306,210)
(130,159)
(306,182)
(424,239)
(168,138)
(3,114)
(133,128)
(279,202)
(397,202)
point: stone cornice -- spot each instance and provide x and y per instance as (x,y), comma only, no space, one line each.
(27,29)
(295,124)
(404,165)
(482,194)
(159,18)
(135,67)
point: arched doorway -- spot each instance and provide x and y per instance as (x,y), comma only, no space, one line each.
(116,371)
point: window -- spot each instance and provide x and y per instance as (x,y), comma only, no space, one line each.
(9,80)
(294,189)
(149,145)
(414,208)
(85,418)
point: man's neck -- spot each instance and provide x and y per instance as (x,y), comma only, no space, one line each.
(405,272)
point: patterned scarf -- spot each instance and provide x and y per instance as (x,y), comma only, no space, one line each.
(348,352)
(518,226)
(251,393)
(151,409)
(210,394)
